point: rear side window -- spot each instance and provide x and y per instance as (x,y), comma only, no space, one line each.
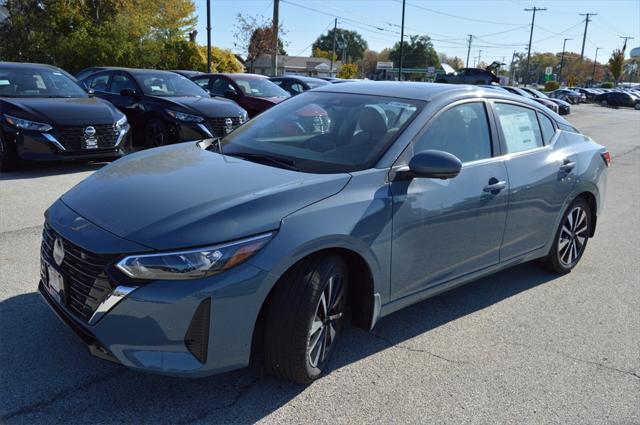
(99,82)
(462,131)
(519,127)
(548,130)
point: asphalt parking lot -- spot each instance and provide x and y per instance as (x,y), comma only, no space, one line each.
(522,346)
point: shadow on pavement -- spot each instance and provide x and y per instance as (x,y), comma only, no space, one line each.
(46,169)
(47,375)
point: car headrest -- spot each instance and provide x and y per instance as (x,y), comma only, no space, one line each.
(373,119)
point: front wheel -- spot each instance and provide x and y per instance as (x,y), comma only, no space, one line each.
(571,238)
(156,133)
(305,317)
(637,106)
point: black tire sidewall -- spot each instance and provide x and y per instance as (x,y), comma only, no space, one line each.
(155,122)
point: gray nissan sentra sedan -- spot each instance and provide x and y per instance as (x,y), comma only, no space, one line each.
(355,197)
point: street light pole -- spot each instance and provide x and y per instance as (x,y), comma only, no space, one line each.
(401,44)
(209,36)
(333,49)
(595,61)
(564,44)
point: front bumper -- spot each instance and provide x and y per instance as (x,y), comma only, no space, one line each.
(181,328)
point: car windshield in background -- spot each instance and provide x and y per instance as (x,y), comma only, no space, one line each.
(37,82)
(169,85)
(539,93)
(314,84)
(260,87)
(320,132)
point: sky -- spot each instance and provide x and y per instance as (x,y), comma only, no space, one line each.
(499,27)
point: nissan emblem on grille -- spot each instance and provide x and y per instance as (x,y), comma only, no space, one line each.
(58,251)
(90,141)
(228,125)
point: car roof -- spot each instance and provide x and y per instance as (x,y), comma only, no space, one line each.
(237,75)
(26,65)
(405,89)
(298,77)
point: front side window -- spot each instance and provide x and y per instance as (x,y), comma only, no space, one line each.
(36,82)
(324,132)
(169,85)
(100,82)
(462,130)
(519,127)
(202,82)
(219,86)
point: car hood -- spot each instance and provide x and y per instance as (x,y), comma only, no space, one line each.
(559,102)
(205,106)
(65,112)
(182,196)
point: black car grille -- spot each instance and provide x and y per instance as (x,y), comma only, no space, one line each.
(218,128)
(86,284)
(73,138)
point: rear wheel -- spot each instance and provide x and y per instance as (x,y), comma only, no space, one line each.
(571,238)
(155,133)
(637,106)
(305,317)
(8,156)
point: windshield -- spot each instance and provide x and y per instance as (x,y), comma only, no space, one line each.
(37,82)
(314,84)
(523,92)
(320,132)
(169,85)
(538,93)
(260,87)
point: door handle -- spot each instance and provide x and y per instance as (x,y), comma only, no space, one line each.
(567,166)
(495,186)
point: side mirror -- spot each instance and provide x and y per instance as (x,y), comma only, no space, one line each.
(230,94)
(128,93)
(431,164)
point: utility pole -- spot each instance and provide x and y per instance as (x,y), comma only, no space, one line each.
(401,44)
(479,55)
(593,76)
(584,37)
(209,36)
(333,49)
(625,38)
(512,70)
(533,20)
(564,44)
(274,55)
(469,50)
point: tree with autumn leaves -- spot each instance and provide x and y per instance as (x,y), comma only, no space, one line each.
(81,33)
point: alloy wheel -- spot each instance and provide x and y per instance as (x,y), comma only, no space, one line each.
(324,326)
(155,135)
(573,236)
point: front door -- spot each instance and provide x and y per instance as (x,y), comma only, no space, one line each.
(444,229)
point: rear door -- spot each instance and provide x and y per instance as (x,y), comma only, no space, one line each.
(444,229)
(541,176)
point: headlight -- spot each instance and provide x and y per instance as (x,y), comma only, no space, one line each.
(192,264)
(244,117)
(121,124)
(26,124)
(181,116)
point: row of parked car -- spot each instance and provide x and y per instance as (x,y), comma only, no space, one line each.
(608,97)
(106,112)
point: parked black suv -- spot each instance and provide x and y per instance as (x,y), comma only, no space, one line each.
(618,98)
(469,76)
(164,107)
(45,115)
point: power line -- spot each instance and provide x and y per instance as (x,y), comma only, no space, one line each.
(437,12)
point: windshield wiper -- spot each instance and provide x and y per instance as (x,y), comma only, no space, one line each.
(266,159)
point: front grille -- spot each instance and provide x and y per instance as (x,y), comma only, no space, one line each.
(218,128)
(86,284)
(73,138)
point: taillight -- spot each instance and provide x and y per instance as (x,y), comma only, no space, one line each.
(606,157)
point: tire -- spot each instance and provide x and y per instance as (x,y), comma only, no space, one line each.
(299,335)
(156,133)
(604,103)
(637,106)
(574,230)
(8,156)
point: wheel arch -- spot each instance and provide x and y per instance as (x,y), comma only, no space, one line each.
(361,296)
